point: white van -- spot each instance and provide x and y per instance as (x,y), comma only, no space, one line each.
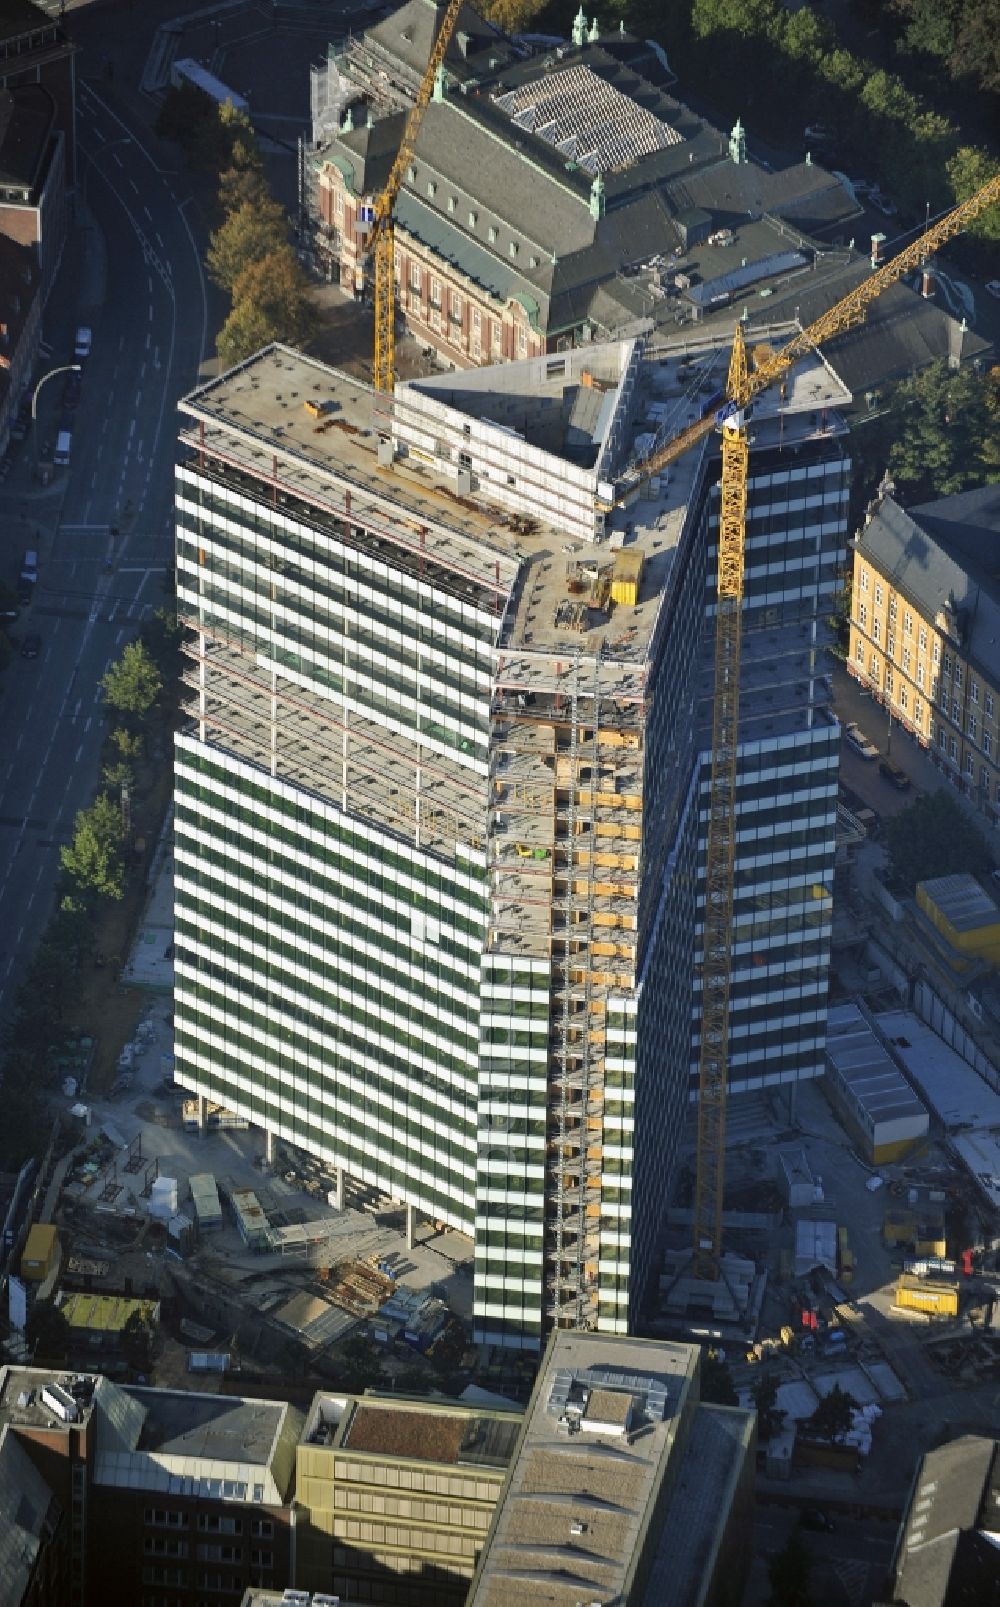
(64,441)
(81,351)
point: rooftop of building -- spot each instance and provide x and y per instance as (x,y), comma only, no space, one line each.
(866,1068)
(106,1314)
(600,1429)
(419,1430)
(962,900)
(501,189)
(19,17)
(21,1403)
(542,565)
(720,1443)
(218,1427)
(27,116)
(947,1553)
(944,556)
(25,1501)
(959,1096)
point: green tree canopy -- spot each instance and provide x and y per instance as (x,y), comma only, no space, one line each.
(95,859)
(717,1385)
(253,231)
(833,1414)
(133,684)
(47,1332)
(945,430)
(270,302)
(770,1415)
(932,837)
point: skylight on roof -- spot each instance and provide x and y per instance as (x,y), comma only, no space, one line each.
(576,110)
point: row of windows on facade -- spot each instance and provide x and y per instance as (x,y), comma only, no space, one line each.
(168,1545)
(984,737)
(207,1522)
(944,666)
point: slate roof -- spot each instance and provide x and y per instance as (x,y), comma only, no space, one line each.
(943,1555)
(902,332)
(944,552)
(408,34)
(25,1499)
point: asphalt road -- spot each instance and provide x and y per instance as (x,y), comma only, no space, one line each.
(149,332)
(848,1566)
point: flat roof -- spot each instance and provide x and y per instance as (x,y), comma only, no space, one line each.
(955,1092)
(963,902)
(218,1428)
(21,1391)
(428,1435)
(865,1067)
(558,427)
(573,1518)
(106,1314)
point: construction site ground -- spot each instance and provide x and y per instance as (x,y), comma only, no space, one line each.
(932,1379)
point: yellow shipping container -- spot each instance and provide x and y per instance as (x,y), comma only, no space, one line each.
(41,1251)
(625,578)
(928,1295)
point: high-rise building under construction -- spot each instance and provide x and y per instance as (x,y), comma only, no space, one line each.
(440,797)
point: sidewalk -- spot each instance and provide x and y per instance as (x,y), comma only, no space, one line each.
(852,701)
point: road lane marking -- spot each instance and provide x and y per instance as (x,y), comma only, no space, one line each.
(89,723)
(79,754)
(116,158)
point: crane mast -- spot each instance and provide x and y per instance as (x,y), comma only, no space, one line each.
(743,385)
(383,241)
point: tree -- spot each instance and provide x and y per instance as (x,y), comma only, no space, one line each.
(832,1416)
(277,286)
(95,859)
(192,120)
(163,635)
(270,302)
(244,332)
(47,1332)
(247,235)
(770,1416)
(242,185)
(133,684)
(361,1364)
(513,16)
(789,1571)
(944,426)
(717,1385)
(932,837)
(968,170)
(137,1341)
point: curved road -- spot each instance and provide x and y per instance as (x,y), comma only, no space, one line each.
(148,339)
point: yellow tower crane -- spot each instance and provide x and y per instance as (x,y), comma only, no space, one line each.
(744,383)
(382,242)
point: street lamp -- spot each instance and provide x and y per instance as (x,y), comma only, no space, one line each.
(64,368)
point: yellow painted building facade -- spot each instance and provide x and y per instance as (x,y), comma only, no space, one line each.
(916,664)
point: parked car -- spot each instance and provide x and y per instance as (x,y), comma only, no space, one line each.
(32,645)
(71,391)
(896,776)
(881,203)
(82,344)
(856,739)
(992,288)
(813,1518)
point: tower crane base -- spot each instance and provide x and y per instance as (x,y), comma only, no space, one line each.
(726,1307)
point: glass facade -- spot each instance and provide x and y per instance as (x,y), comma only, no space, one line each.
(445,933)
